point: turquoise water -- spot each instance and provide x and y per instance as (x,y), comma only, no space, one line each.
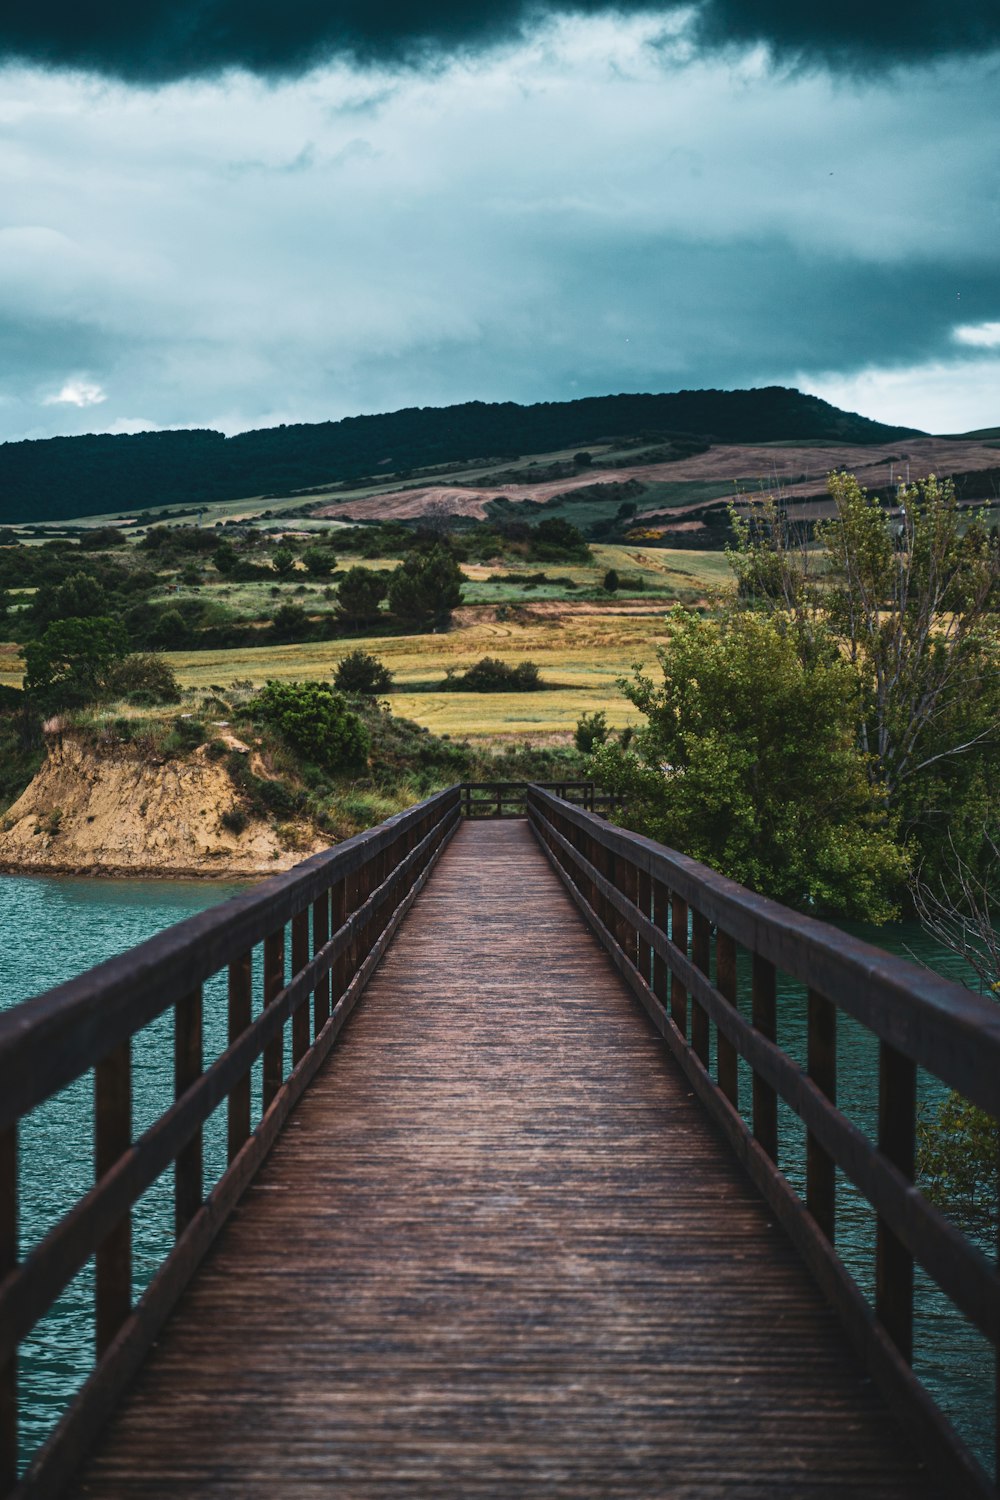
(56,928)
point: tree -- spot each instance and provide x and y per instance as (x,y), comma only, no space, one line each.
(909,601)
(319,561)
(225,557)
(426,588)
(611,581)
(363,675)
(283,561)
(69,663)
(143,677)
(360,592)
(748,762)
(316,721)
(290,622)
(591,730)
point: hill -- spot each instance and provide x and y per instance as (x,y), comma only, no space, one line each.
(55,479)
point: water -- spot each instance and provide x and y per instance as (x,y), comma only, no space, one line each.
(56,928)
(53,929)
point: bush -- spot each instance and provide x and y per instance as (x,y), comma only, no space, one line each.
(360,592)
(363,675)
(319,561)
(234,820)
(290,622)
(611,581)
(591,730)
(144,677)
(316,721)
(491,675)
(283,561)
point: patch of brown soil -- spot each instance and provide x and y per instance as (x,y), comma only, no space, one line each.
(109,812)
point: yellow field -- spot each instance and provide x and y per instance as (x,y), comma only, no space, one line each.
(580,654)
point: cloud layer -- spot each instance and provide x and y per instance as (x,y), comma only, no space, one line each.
(162,40)
(592,209)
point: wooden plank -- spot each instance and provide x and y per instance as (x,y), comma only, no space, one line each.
(485,1294)
(274,983)
(240,1013)
(300,957)
(897,1120)
(8,1260)
(726,1054)
(188,1056)
(821,1171)
(765,1019)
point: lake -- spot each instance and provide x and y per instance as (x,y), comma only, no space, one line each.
(55,928)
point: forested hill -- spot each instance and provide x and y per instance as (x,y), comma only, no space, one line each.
(59,478)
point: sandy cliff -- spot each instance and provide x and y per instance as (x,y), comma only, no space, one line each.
(100,810)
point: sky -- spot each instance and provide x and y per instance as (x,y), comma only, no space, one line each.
(218,213)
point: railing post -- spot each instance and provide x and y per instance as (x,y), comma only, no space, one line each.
(240,1011)
(112,1138)
(821,1172)
(274,983)
(661,917)
(499,801)
(679,938)
(8,1262)
(897,1112)
(765,1018)
(645,903)
(300,958)
(321,936)
(187,1070)
(700,934)
(727,1065)
(338,916)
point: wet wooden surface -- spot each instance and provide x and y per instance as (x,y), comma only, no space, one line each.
(498,1251)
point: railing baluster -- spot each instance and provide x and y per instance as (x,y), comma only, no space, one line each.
(725,1053)
(187,1070)
(112,1138)
(645,905)
(240,1012)
(8,1261)
(897,1115)
(321,935)
(700,934)
(274,982)
(661,918)
(679,938)
(821,1174)
(300,957)
(338,916)
(765,1018)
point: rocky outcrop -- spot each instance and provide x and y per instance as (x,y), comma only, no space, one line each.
(106,810)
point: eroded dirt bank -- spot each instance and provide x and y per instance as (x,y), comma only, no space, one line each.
(104,810)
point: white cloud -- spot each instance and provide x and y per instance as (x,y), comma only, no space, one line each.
(938,397)
(77,392)
(979,335)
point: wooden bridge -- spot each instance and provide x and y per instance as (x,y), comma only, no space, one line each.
(517,1237)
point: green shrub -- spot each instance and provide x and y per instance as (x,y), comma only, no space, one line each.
(316,721)
(363,674)
(491,675)
(144,677)
(591,730)
(234,820)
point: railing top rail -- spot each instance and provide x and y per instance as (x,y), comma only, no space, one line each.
(49,1040)
(942,1026)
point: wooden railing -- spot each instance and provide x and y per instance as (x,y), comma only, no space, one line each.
(674,929)
(340,908)
(509,799)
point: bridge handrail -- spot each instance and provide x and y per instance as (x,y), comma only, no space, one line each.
(342,906)
(655,911)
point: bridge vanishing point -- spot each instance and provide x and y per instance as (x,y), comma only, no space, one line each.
(513,1235)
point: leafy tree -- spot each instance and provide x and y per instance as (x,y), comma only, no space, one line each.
(170,631)
(910,603)
(748,762)
(70,662)
(611,581)
(363,674)
(426,588)
(591,730)
(360,592)
(225,557)
(316,721)
(290,622)
(319,561)
(554,539)
(283,561)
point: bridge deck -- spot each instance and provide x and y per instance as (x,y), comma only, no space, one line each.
(499,1251)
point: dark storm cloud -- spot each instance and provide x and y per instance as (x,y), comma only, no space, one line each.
(159,40)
